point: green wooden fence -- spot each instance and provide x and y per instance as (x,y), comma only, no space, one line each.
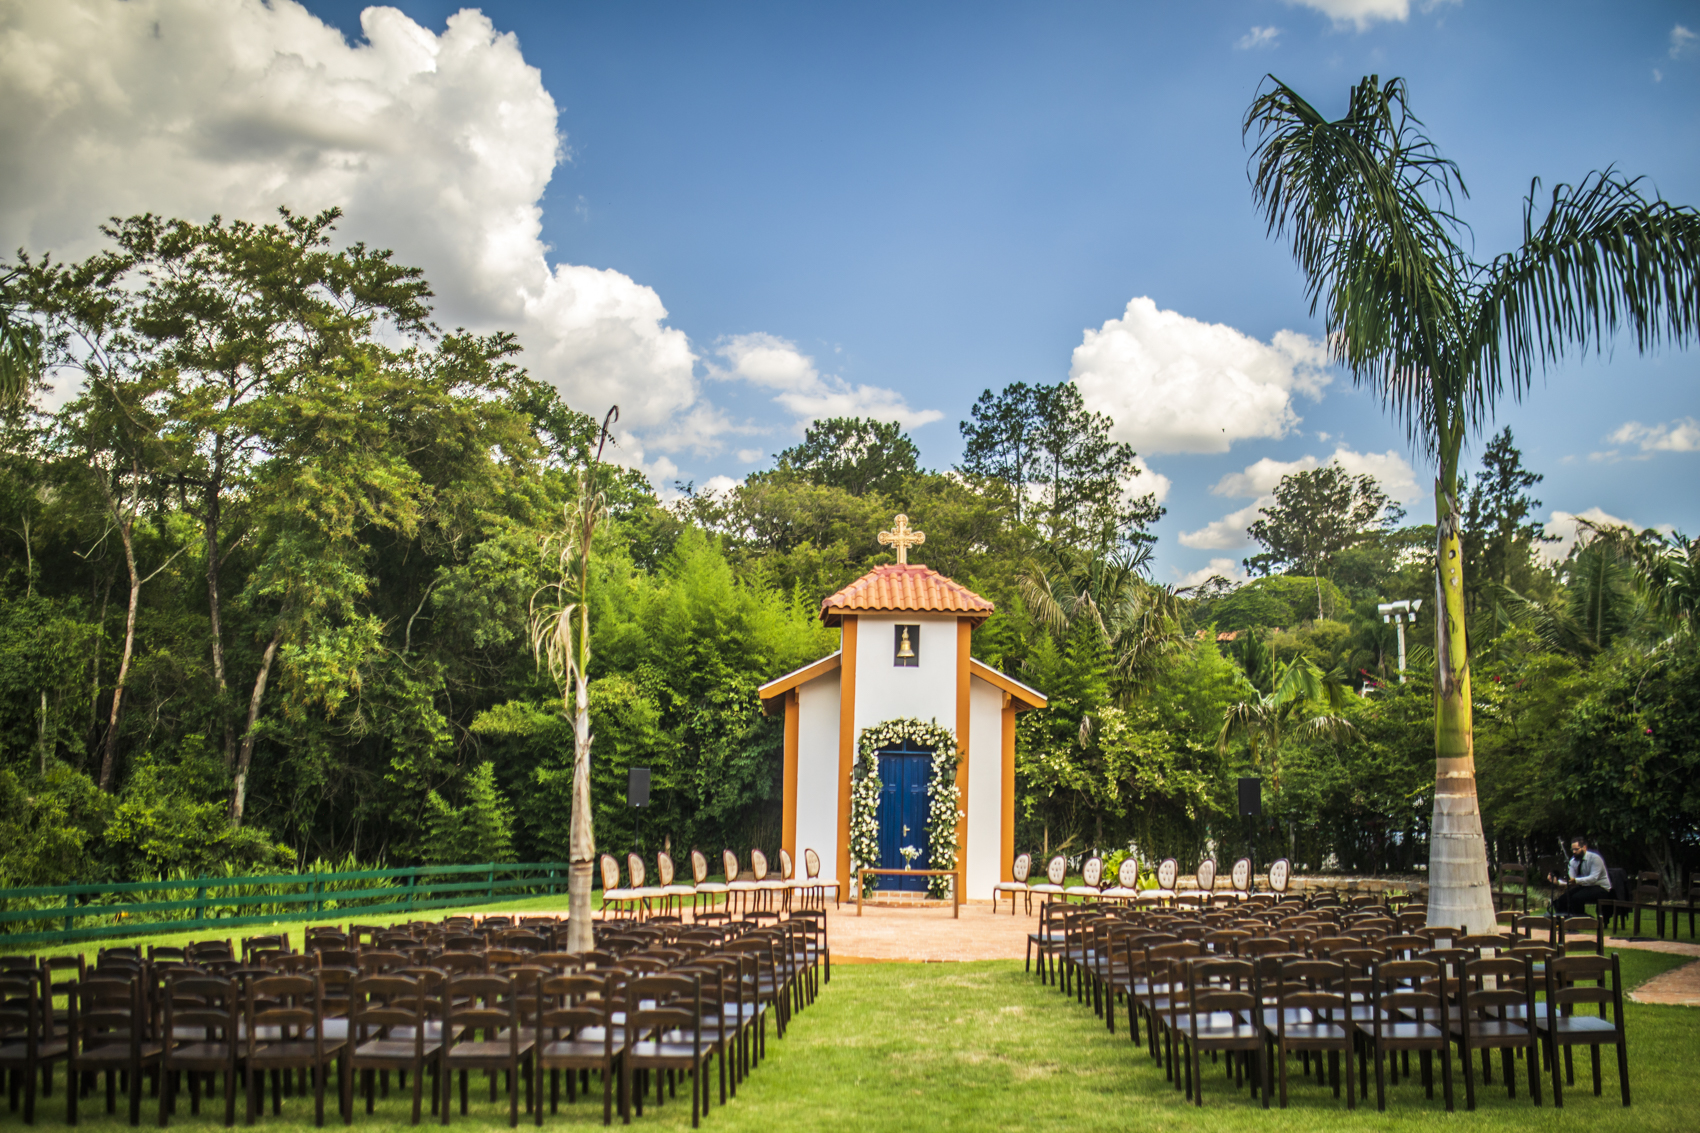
(218,903)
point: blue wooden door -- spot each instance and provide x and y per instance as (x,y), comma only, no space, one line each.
(903,812)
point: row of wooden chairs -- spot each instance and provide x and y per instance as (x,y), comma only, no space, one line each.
(373,1000)
(1096,885)
(1352,984)
(762,894)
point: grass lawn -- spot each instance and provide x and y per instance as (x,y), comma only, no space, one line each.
(977,1046)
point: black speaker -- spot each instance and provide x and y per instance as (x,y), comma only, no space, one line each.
(1251,797)
(637,786)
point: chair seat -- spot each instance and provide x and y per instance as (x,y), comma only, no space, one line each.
(1486,1029)
(1046,887)
(485,1050)
(618,895)
(647,891)
(1315,1032)
(16,1053)
(578,1050)
(1010,887)
(710,887)
(1576,1025)
(773,883)
(291,1053)
(1119,891)
(678,890)
(1082,891)
(397,1049)
(649,1050)
(200,1052)
(742,886)
(1156,894)
(1405,1032)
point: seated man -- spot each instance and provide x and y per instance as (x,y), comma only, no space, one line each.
(1587,883)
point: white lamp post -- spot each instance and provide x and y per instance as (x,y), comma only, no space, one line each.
(1400,613)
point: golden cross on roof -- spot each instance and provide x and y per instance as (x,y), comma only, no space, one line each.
(902,538)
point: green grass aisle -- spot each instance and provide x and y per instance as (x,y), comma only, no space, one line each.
(982,1046)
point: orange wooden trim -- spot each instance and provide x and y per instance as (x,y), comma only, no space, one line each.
(793,721)
(846,738)
(1008,793)
(1027,697)
(799,677)
(964,708)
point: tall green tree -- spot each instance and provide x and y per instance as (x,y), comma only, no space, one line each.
(1499,537)
(20,344)
(1366,201)
(1317,515)
(857,455)
(1001,441)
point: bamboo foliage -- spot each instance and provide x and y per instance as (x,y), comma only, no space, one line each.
(1367,202)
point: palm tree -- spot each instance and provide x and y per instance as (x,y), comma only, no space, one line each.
(20,348)
(1301,702)
(560,637)
(1366,201)
(1137,619)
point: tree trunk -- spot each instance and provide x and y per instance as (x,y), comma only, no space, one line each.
(109,754)
(212,517)
(239,785)
(582,845)
(1459,893)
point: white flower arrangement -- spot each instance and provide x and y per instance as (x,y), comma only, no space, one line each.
(944,798)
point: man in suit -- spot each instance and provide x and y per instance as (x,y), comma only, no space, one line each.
(1587,883)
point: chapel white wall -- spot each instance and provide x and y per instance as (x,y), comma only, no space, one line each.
(985,788)
(884,691)
(817,771)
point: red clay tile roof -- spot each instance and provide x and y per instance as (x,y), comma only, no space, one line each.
(904,588)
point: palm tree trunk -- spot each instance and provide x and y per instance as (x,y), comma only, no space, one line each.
(1459,895)
(582,838)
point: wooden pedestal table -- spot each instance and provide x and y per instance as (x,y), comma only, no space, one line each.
(955,885)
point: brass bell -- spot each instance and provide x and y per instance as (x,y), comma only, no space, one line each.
(903,650)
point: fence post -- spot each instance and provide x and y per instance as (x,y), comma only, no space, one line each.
(412,887)
(200,904)
(318,895)
(490,883)
(70,913)
(551,883)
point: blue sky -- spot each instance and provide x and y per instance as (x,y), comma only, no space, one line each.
(907,204)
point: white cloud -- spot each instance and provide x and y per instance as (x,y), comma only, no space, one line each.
(1174,384)
(776,364)
(749,455)
(1149,482)
(1681,41)
(1258,37)
(1680,435)
(1358,13)
(438,146)
(1229,532)
(1259,479)
(1217,568)
(1362,13)
(719,484)
(1390,469)
(1564,525)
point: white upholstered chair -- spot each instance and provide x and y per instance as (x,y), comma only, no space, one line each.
(672,896)
(772,893)
(643,896)
(613,897)
(1168,873)
(1056,871)
(1280,876)
(709,893)
(1091,874)
(1240,878)
(738,893)
(817,883)
(1126,887)
(1022,869)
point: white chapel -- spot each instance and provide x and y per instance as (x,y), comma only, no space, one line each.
(905,632)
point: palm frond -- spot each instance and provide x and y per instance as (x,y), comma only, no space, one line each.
(1604,258)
